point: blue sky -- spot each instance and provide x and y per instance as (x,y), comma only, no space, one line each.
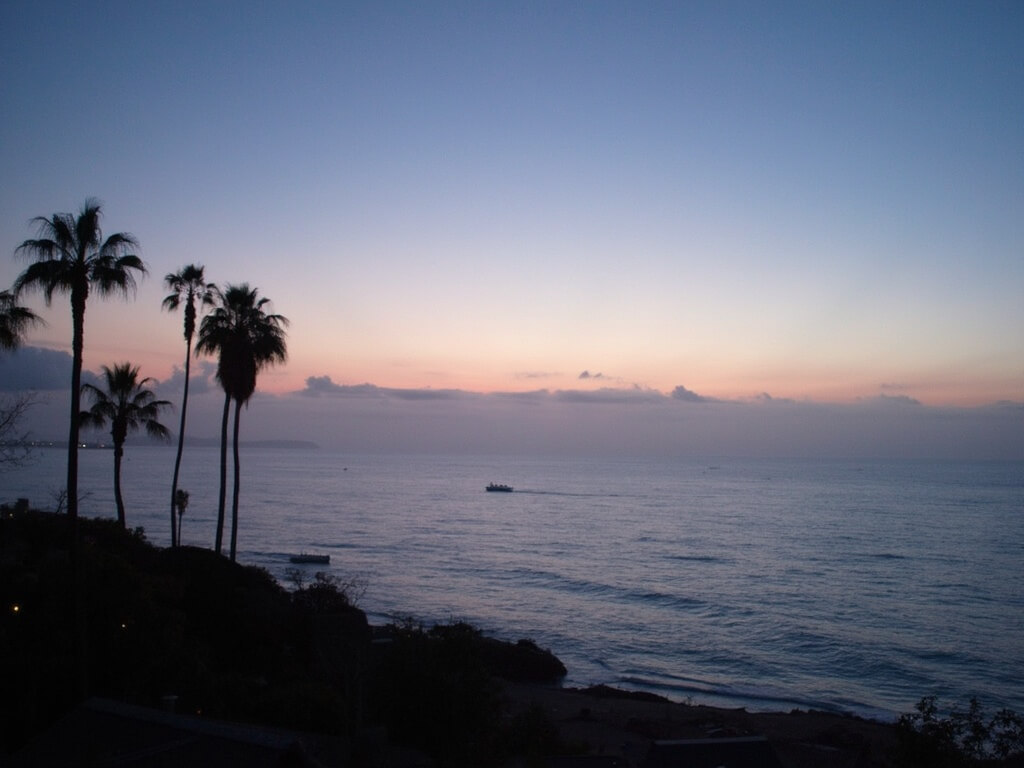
(821,203)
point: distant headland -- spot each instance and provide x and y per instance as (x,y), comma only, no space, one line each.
(201,442)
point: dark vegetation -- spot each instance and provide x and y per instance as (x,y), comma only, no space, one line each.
(231,643)
(933,739)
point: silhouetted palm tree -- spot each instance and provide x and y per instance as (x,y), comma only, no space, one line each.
(126,405)
(72,257)
(246,339)
(14,321)
(181,502)
(187,286)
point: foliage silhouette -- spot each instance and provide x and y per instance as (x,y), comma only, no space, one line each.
(187,287)
(15,321)
(73,258)
(432,690)
(225,638)
(929,739)
(246,339)
(181,498)
(126,405)
(14,448)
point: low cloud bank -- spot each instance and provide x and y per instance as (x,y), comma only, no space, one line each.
(608,421)
(689,396)
(322,385)
(39,369)
(640,421)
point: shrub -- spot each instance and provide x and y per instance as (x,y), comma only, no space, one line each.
(432,692)
(961,738)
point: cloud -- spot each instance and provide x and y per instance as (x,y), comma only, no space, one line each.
(323,385)
(764,397)
(609,395)
(535,375)
(689,396)
(619,421)
(588,375)
(430,394)
(200,382)
(890,400)
(532,397)
(45,370)
(39,369)
(635,422)
(1009,406)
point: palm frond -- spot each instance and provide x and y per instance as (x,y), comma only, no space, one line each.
(15,321)
(43,249)
(91,419)
(88,233)
(112,275)
(95,392)
(58,228)
(158,430)
(51,272)
(119,243)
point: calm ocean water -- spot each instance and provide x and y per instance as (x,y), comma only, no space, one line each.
(770,584)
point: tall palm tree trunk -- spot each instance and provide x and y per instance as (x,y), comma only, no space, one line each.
(175,532)
(77,344)
(223,473)
(118,499)
(238,474)
(79,589)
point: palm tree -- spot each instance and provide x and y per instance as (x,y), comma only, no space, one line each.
(246,339)
(72,257)
(14,321)
(126,405)
(181,502)
(187,286)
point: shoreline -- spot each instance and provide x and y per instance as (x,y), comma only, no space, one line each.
(628,725)
(767,705)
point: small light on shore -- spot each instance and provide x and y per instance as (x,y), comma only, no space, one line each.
(15,608)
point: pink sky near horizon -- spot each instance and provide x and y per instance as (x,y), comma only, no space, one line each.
(159,349)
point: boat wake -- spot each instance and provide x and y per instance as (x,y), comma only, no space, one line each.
(572,494)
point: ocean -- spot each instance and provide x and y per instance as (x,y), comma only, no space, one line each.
(852,586)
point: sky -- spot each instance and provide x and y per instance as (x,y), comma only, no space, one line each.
(682,227)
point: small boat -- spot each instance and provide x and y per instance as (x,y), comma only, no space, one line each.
(499,487)
(305,558)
